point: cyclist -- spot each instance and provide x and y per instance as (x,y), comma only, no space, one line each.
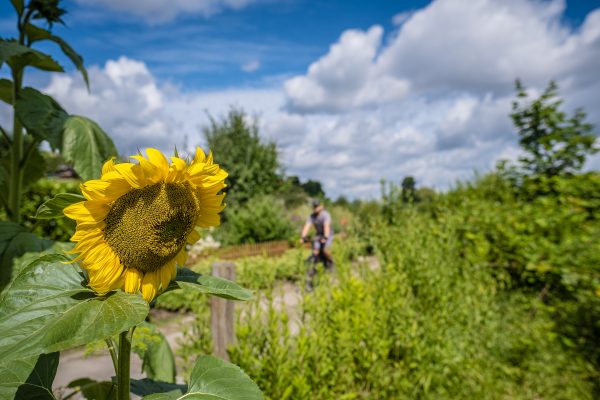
(322,241)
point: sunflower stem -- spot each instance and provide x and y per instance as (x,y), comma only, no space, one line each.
(123,378)
(112,349)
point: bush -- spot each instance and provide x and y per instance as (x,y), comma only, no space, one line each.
(60,229)
(260,220)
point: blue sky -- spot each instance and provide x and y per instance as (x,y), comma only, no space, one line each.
(352,91)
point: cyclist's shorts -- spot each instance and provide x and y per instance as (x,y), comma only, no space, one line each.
(317,243)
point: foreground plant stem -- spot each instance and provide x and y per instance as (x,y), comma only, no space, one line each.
(123,378)
(112,349)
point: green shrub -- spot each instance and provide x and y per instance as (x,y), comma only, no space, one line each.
(56,229)
(261,219)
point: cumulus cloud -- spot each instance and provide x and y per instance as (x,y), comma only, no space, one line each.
(137,111)
(440,88)
(431,99)
(160,11)
(345,77)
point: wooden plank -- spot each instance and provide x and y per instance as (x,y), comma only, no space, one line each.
(223,313)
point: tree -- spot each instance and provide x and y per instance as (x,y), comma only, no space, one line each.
(408,189)
(313,188)
(253,165)
(555,143)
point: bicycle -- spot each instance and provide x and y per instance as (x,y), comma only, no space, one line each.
(313,260)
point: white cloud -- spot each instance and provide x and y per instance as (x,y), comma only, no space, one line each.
(345,77)
(251,66)
(160,11)
(128,102)
(455,63)
(431,100)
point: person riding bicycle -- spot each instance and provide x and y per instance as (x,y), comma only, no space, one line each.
(323,239)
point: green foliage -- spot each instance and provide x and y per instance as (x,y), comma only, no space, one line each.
(491,291)
(29,378)
(46,309)
(208,284)
(54,207)
(94,390)
(313,188)
(408,189)
(556,144)
(14,242)
(59,228)
(252,164)
(261,219)
(213,378)
(158,361)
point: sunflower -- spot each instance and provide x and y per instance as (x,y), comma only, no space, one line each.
(134,225)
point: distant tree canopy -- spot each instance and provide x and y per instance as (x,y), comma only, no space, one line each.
(555,143)
(313,188)
(253,165)
(408,189)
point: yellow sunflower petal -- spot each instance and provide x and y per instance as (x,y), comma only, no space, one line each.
(133,280)
(150,285)
(108,166)
(132,173)
(106,278)
(159,161)
(165,275)
(193,237)
(87,211)
(181,257)
(200,157)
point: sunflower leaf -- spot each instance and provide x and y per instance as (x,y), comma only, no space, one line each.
(6,90)
(35,33)
(47,308)
(18,56)
(91,389)
(220,287)
(145,387)
(15,241)
(54,207)
(29,378)
(43,117)
(213,378)
(86,145)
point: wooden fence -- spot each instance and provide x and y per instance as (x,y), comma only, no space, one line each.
(274,248)
(222,313)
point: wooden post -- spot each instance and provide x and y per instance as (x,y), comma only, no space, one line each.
(222,313)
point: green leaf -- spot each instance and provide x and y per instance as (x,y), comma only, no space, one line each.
(54,207)
(18,5)
(158,361)
(190,280)
(43,117)
(35,169)
(172,395)
(6,91)
(18,56)
(47,308)
(28,379)
(216,379)
(87,146)
(35,33)
(145,387)
(14,242)
(94,390)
